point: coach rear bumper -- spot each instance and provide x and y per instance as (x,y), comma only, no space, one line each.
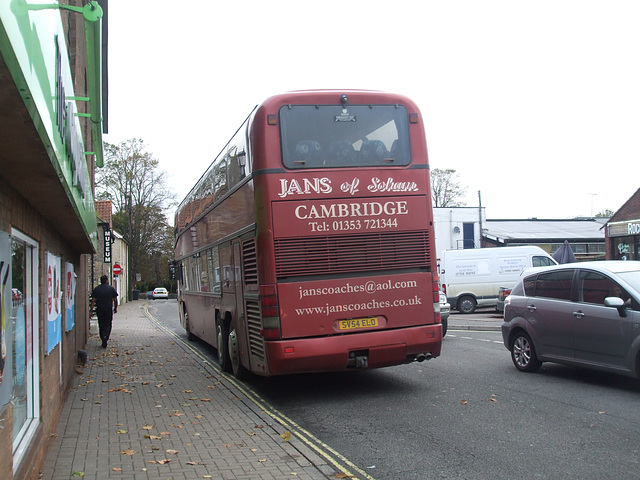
(372,349)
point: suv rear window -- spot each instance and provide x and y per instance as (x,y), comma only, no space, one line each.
(554,285)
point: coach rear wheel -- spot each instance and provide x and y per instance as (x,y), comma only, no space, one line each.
(190,336)
(223,346)
(234,353)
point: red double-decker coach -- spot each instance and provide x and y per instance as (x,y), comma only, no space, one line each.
(308,244)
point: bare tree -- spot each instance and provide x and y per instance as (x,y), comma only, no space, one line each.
(445,188)
(140,196)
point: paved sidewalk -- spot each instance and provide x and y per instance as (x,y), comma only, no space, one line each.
(482,320)
(148,408)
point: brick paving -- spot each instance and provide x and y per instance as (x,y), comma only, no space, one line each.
(148,408)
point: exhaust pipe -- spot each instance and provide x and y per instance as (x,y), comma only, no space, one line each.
(421,357)
(358,360)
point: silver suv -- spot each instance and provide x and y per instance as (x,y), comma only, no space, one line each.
(583,314)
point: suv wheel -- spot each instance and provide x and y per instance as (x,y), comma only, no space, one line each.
(523,353)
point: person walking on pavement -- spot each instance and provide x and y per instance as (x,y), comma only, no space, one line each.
(103,296)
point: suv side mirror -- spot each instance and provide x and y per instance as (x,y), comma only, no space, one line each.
(618,303)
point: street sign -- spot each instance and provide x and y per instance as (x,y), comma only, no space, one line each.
(117,269)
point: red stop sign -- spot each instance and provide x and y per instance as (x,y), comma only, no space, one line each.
(117,269)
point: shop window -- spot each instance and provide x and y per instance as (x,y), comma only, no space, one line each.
(19,337)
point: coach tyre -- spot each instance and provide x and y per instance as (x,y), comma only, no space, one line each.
(466,304)
(523,353)
(234,353)
(223,344)
(190,336)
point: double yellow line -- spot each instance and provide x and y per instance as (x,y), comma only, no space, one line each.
(342,464)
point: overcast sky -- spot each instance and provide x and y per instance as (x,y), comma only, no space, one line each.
(534,104)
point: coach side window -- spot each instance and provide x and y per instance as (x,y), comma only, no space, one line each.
(214,269)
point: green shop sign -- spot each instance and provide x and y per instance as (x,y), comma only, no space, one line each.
(32,44)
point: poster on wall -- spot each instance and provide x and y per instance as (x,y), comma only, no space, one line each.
(5,295)
(53,306)
(70,295)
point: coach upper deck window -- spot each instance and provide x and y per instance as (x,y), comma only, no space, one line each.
(317,136)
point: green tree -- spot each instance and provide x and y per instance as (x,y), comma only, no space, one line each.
(140,196)
(445,188)
(605,213)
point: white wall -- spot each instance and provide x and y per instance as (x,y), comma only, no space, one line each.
(448,237)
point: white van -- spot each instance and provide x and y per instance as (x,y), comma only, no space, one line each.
(472,277)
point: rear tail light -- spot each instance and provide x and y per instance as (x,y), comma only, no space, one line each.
(436,288)
(435,282)
(270,312)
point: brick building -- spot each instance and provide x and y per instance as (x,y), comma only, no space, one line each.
(51,112)
(622,235)
(112,250)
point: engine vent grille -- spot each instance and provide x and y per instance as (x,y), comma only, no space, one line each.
(254,325)
(250,262)
(351,253)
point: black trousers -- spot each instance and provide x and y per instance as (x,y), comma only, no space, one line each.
(105,319)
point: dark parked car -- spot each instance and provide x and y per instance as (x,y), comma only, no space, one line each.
(445,310)
(503,293)
(582,314)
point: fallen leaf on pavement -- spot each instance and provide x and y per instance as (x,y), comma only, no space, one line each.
(286,436)
(128,451)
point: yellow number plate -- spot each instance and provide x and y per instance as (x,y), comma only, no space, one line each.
(368,322)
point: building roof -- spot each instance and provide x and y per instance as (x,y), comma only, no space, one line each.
(628,210)
(103,210)
(583,229)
